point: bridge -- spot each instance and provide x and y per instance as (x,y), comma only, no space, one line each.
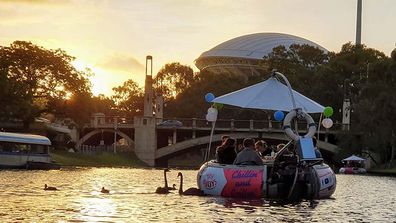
(154,143)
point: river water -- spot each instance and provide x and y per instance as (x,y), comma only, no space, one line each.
(132,199)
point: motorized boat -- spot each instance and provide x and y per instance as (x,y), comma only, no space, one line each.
(284,177)
(25,151)
(294,173)
(353,165)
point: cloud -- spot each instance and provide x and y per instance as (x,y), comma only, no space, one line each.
(35,1)
(121,63)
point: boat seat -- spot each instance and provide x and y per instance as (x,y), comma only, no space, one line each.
(306,150)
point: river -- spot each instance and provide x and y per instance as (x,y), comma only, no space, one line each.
(132,199)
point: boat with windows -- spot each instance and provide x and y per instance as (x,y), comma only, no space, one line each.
(25,151)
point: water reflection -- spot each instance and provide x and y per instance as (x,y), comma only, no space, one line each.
(132,199)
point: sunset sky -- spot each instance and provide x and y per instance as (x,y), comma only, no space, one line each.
(112,37)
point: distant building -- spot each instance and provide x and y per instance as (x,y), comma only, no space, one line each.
(243,54)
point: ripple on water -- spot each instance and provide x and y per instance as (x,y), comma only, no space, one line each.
(132,199)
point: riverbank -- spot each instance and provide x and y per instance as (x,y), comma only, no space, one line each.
(384,172)
(121,159)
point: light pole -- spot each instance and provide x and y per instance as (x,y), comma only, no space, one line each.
(359,23)
(346,108)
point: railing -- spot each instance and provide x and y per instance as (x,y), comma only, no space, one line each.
(92,150)
(195,123)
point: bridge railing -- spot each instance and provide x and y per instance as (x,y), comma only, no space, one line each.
(194,123)
(111,122)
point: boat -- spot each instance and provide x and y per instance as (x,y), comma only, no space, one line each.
(284,177)
(25,151)
(353,165)
(294,173)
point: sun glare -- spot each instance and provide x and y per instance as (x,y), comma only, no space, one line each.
(98,80)
(79,65)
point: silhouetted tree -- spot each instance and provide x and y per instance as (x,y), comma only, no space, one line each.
(33,76)
(128,98)
(173,79)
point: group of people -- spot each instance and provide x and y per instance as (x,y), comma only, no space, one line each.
(249,153)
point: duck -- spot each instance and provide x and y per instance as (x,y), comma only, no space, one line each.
(105,191)
(49,188)
(190,191)
(166,188)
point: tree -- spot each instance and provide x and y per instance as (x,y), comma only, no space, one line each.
(128,98)
(376,106)
(32,76)
(173,79)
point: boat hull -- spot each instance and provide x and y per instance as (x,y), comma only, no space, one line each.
(315,182)
(11,160)
(352,170)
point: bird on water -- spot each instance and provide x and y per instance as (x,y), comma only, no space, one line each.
(49,188)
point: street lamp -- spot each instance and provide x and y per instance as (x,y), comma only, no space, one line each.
(346,108)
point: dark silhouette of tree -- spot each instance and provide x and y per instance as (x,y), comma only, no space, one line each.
(33,76)
(173,79)
(128,98)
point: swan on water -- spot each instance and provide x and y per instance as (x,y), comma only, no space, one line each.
(189,191)
(49,188)
(105,191)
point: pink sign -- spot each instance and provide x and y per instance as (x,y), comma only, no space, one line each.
(243,183)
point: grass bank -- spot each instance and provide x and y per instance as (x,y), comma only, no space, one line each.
(388,172)
(126,159)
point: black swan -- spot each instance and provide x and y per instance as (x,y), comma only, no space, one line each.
(105,191)
(164,190)
(173,187)
(189,191)
(49,188)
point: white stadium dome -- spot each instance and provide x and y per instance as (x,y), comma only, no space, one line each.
(243,54)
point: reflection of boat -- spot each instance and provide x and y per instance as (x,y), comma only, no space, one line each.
(295,172)
(25,151)
(353,165)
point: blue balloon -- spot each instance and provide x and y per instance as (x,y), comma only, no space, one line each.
(279,116)
(209,97)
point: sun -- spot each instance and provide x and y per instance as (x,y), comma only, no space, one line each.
(99,83)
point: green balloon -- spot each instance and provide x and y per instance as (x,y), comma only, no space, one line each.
(218,106)
(328,111)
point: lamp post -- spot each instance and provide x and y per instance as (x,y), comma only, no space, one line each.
(346,108)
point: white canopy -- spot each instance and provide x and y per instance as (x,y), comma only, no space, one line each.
(269,95)
(353,158)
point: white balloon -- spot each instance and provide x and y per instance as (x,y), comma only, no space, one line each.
(212,111)
(211,117)
(208,117)
(212,114)
(327,123)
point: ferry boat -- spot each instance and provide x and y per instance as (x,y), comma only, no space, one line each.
(25,151)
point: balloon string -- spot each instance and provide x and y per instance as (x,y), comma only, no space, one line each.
(210,141)
(320,121)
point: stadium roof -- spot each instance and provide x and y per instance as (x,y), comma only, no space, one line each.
(246,51)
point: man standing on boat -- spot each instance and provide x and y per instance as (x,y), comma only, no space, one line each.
(248,156)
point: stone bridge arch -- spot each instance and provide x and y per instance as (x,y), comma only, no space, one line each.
(97,131)
(167,150)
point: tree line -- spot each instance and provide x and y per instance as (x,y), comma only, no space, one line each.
(36,81)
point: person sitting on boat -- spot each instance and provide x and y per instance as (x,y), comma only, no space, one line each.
(262,148)
(317,152)
(226,154)
(224,138)
(248,156)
